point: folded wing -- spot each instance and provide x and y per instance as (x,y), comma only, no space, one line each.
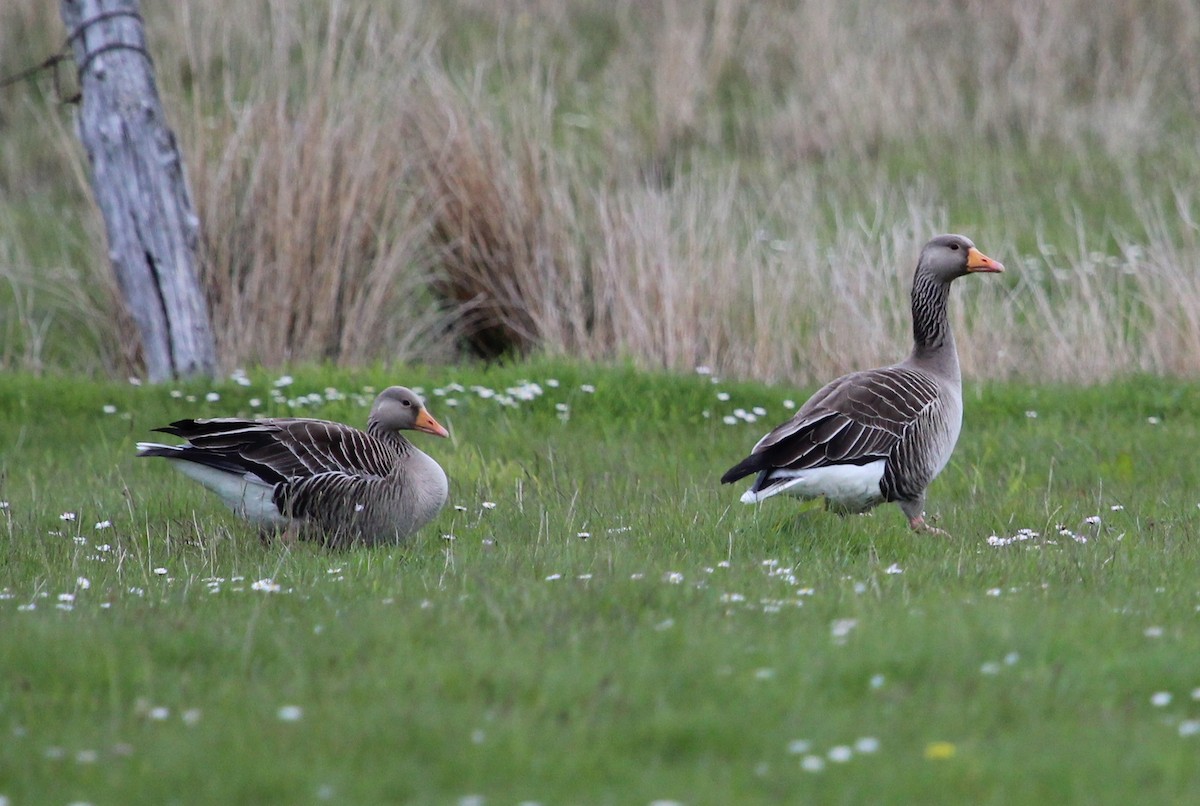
(855,420)
(277,450)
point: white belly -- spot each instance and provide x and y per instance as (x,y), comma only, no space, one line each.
(850,488)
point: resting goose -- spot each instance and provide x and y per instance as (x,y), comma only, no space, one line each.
(318,479)
(882,434)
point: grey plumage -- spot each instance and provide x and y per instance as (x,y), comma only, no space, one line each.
(881,434)
(320,479)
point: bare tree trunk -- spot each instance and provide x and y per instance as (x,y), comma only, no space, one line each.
(140,186)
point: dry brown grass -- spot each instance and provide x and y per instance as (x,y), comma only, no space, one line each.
(502,224)
(744,188)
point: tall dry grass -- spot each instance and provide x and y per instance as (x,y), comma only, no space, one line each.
(743,185)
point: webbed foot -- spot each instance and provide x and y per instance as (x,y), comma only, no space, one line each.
(918,524)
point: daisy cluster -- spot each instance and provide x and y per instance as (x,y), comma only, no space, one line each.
(71,596)
(149,713)
(795,591)
(455,395)
(995,667)
(511,397)
(701,581)
(90,547)
(776,572)
(738,415)
(813,760)
(281,394)
(1186,727)
(1063,534)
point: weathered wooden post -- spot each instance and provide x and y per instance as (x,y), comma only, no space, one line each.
(139,182)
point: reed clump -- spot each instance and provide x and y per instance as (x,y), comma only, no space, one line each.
(744,186)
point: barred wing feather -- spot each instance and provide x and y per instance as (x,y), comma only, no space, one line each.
(855,420)
(280,449)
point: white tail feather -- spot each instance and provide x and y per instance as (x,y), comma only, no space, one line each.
(849,487)
(247,495)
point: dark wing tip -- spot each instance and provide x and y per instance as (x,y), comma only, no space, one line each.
(175,429)
(207,427)
(751,464)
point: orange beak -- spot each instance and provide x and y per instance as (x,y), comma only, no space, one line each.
(979,262)
(426,423)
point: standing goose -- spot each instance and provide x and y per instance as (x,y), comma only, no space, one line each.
(319,479)
(881,434)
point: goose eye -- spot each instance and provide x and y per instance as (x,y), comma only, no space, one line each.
(954,247)
(406,402)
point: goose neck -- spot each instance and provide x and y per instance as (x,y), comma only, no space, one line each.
(387,436)
(933,340)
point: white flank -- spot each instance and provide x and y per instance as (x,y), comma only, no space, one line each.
(247,495)
(849,487)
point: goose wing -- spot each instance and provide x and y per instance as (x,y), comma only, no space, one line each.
(857,419)
(280,449)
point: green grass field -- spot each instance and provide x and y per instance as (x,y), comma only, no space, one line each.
(596,620)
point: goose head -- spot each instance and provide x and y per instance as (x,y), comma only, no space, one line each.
(400,409)
(948,257)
